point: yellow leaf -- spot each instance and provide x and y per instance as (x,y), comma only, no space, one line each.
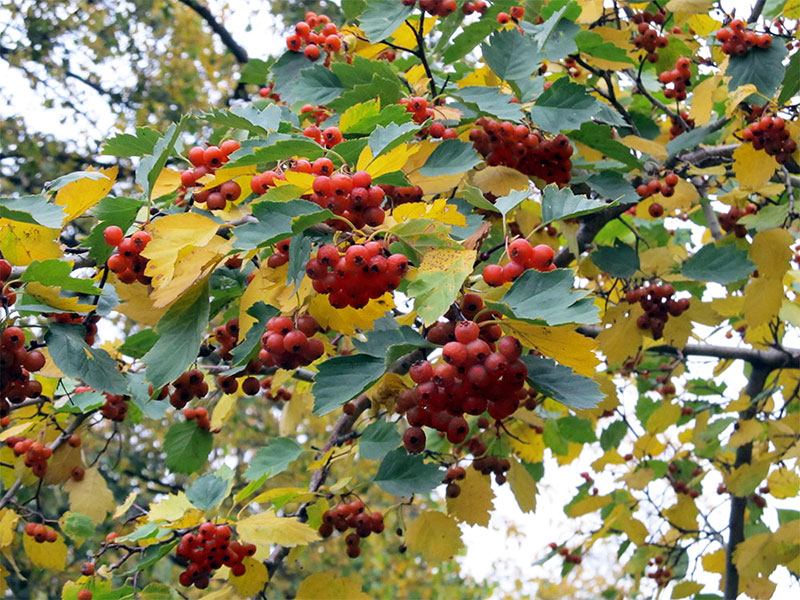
(227,174)
(79,196)
(330,587)
(91,496)
(434,535)
(170,509)
(656,261)
(474,503)
(690,6)
(167,182)
(683,513)
(638,479)
(125,506)
(648,444)
(15,430)
(347,320)
(392,161)
(753,167)
(60,465)
(588,505)
(267,528)
(714,562)
(624,338)
(404,35)
(703,25)
(357,112)
(523,485)
(224,593)
(303,181)
(749,429)
(685,589)
(530,445)
(737,97)
(783,483)
(759,588)
(665,415)
(762,300)
(438,210)
(651,147)
(562,343)
(684,197)
(703,101)
(500,180)
(743,480)
(49,555)
(223,410)
(253,580)
(431,185)
(592,10)
(269,286)
(51,296)
(8,526)
(771,253)
(633,528)
(191,267)
(23,243)
(137,304)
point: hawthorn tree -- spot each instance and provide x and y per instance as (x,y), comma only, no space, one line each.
(445,247)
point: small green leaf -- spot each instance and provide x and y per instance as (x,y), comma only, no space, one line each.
(613,435)
(273,459)
(564,105)
(342,378)
(552,438)
(490,101)
(276,221)
(575,429)
(138,344)
(600,137)
(126,144)
(187,447)
(316,85)
(561,203)
(248,117)
(791,80)
(76,525)
(151,165)
(763,67)
(378,439)
(510,55)
(383,139)
(32,209)
(404,475)
(720,264)
(207,491)
(612,186)
(450,157)
(248,347)
(438,281)
(561,383)
(382,17)
(619,260)
(56,273)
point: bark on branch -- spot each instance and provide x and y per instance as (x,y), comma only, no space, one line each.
(239,53)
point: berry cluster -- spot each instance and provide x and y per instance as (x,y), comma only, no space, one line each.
(677,128)
(127,263)
(16,365)
(263,181)
(573,69)
(478,6)
(289,345)
(36,453)
(89,322)
(523,257)
(736,39)
(359,274)
(185,388)
(679,78)
(493,464)
(279,395)
(658,305)
(266,91)
(314,33)
(280,254)
(665,187)
(206,161)
(436,8)
(328,137)
(419,107)
(402,194)
(569,557)
(730,221)
(351,515)
(471,304)
(770,134)
(516,146)
(115,407)
(208,550)
(437,130)
(319,113)
(516,14)
(200,415)
(227,336)
(453,474)
(7,296)
(41,533)
(662,574)
(352,197)
(648,38)
(473,377)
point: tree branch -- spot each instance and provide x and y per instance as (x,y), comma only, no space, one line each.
(589,227)
(758,7)
(239,53)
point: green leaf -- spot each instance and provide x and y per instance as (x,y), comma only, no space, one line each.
(299,255)
(791,80)
(619,260)
(552,438)
(404,475)
(556,36)
(367,121)
(612,186)
(116,209)
(353,8)
(138,344)
(126,144)
(151,165)
(60,182)
(247,117)
(561,203)
(273,459)
(476,198)
(287,71)
(600,137)
(383,139)
(547,297)
(32,209)
(510,55)
(575,429)
(763,67)
(378,439)
(255,71)
(491,101)
(207,491)
(275,147)
(316,85)
(76,525)
(564,105)
(593,44)
(82,402)
(613,435)
(382,17)
(687,140)
(187,447)
(248,347)
(379,86)
(151,556)
(505,204)
(438,281)
(720,264)
(182,330)
(56,273)
(561,383)
(76,359)
(342,378)
(390,341)
(450,157)
(476,32)
(770,216)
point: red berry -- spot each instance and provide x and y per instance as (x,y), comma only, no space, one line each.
(113,235)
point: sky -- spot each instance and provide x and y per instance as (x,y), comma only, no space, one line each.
(491,553)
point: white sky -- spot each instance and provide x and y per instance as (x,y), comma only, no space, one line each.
(490,552)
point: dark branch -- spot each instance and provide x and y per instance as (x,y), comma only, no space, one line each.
(589,227)
(239,53)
